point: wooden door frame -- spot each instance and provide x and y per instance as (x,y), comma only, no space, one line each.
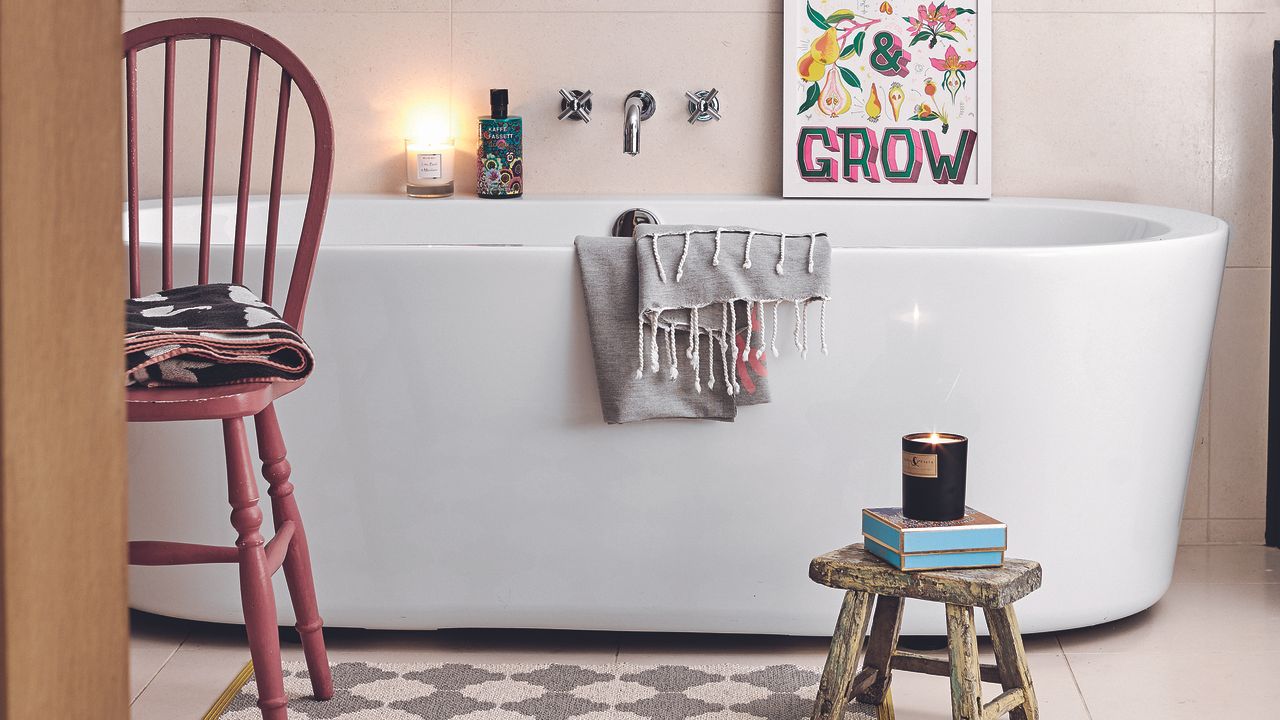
(1273,400)
(63,616)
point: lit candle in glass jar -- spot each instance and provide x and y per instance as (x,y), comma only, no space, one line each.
(428,168)
(933,475)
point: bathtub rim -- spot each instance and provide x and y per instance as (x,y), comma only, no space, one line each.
(1172,224)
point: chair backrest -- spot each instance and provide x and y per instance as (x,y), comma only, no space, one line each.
(168,33)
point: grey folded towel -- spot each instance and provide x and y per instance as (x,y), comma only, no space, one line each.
(719,280)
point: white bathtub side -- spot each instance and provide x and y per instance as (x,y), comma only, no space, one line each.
(453,469)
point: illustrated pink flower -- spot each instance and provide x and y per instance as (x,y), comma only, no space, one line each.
(935,21)
(951,62)
(953,69)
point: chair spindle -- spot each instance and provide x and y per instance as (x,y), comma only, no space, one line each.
(131,121)
(246,166)
(277,177)
(210,141)
(166,181)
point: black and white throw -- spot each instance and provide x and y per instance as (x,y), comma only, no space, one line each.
(216,334)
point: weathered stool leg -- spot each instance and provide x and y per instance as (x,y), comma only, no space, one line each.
(884,711)
(842,660)
(1011,659)
(966,682)
(885,625)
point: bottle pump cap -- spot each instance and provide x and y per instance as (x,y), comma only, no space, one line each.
(498,103)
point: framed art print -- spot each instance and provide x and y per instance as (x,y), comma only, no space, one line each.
(886,99)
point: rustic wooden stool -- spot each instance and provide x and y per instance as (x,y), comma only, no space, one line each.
(994,590)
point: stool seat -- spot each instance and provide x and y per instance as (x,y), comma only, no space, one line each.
(853,568)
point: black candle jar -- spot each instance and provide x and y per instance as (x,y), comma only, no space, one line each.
(933,475)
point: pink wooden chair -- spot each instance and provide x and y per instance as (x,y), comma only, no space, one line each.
(258,558)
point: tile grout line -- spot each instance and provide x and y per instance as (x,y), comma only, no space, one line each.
(186,636)
(1074,680)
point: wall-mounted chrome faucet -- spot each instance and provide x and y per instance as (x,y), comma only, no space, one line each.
(638,108)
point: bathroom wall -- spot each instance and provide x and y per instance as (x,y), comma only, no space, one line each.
(1156,101)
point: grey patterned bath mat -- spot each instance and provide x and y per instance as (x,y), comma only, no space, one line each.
(461,691)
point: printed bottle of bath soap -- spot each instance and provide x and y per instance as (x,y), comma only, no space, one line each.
(500,158)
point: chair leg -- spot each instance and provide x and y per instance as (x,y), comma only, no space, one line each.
(1011,660)
(256,593)
(297,562)
(885,625)
(842,660)
(966,683)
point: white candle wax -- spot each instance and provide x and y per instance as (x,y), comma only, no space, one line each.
(428,168)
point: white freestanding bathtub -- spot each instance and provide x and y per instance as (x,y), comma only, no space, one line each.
(454,471)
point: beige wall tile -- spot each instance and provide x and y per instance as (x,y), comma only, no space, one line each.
(1238,404)
(1242,134)
(1250,530)
(1197,499)
(186,7)
(738,154)
(615,6)
(348,5)
(1073,107)
(1194,531)
(1237,6)
(1106,6)
(375,70)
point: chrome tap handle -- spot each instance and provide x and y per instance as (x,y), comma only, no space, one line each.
(704,106)
(575,105)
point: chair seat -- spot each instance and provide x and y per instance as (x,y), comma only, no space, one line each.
(204,403)
(853,568)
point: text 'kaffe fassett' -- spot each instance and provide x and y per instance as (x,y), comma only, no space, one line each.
(887,99)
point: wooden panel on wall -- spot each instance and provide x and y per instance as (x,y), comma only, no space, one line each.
(63,617)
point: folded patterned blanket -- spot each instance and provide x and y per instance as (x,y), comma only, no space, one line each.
(701,304)
(216,334)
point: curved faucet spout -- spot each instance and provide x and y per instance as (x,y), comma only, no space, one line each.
(638,108)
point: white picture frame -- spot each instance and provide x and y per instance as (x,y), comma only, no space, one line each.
(844,136)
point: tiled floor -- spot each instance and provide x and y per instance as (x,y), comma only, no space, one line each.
(1209,649)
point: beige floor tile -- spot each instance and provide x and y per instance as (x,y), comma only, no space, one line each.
(1190,685)
(194,677)
(1191,615)
(1238,404)
(1227,564)
(923,697)
(152,641)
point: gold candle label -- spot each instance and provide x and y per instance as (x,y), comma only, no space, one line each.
(919,465)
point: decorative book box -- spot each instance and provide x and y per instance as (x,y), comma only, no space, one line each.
(975,540)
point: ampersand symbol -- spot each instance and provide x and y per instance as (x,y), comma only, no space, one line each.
(888,57)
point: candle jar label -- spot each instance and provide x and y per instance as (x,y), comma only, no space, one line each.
(920,465)
(430,166)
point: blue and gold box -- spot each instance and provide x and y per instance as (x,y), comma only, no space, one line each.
(975,540)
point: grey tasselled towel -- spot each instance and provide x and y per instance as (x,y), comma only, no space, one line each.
(644,294)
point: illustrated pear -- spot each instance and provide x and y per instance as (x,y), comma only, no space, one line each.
(874,108)
(896,96)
